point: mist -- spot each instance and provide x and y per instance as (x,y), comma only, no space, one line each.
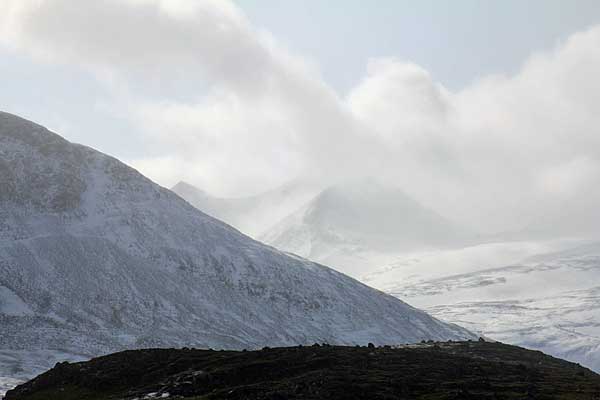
(240,113)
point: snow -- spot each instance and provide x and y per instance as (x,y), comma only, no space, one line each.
(7,383)
(11,304)
(548,301)
(17,366)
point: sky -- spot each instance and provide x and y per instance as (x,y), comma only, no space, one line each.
(487,112)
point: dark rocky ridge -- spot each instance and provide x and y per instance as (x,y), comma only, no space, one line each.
(451,370)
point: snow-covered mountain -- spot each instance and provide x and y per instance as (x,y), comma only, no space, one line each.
(94,257)
(541,295)
(253,215)
(354,225)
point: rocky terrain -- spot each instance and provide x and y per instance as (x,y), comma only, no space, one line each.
(451,370)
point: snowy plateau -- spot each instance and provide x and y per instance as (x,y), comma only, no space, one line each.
(96,258)
(539,295)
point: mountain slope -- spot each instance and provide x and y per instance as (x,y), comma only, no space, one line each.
(347,220)
(252,215)
(94,257)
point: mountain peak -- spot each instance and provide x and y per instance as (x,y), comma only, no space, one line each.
(365,213)
(21,130)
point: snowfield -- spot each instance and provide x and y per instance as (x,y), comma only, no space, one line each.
(549,302)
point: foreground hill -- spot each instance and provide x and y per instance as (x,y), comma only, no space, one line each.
(96,258)
(459,370)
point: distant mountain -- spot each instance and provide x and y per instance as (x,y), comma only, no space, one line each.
(347,220)
(252,215)
(94,258)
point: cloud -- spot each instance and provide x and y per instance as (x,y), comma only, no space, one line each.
(511,147)
(237,112)
(139,36)
(570,177)
(256,111)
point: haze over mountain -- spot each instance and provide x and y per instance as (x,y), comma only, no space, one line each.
(576,217)
(94,257)
(253,215)
(348,225)
(239,108)
(347,220)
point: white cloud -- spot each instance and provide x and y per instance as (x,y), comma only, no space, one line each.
(570,177)
(500,152)
(257,105)
(511,147)
(137,36)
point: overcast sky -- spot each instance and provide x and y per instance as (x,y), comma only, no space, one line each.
(485,111)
